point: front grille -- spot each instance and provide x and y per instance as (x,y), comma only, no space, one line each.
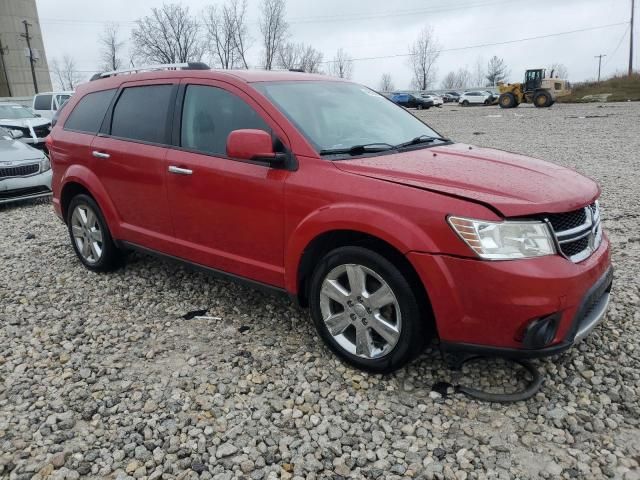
(23,192)
(578,232)
(19,171)
(42,131)
(566,221)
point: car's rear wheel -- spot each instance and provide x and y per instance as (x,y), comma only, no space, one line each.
(366,310)
(90,235)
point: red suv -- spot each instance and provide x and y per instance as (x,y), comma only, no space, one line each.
(326,190)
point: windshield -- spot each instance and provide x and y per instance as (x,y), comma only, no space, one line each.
(337,115)
(14,112)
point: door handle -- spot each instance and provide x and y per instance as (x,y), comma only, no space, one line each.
(102,155)
(180,171)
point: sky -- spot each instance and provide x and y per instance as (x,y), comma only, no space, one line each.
(469,31)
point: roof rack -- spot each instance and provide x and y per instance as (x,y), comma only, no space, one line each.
(152,68)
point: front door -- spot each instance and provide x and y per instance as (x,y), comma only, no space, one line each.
(227,214)
(129,159)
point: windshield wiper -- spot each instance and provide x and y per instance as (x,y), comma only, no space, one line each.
(359,149)
(421,139)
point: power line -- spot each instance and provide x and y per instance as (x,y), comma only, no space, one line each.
(303,20)
(467,47)
(537,37)
(610,56)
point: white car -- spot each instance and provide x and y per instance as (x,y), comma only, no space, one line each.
(18,118)
(476,97)
(25,172)
(47,103)
(437,99)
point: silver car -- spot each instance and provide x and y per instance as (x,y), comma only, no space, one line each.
(25,172)
(18,118)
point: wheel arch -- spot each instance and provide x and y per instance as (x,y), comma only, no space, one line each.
(79,180)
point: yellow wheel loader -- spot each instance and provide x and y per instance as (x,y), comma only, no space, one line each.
(538,89)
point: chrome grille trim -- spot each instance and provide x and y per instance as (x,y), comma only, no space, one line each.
(590,229)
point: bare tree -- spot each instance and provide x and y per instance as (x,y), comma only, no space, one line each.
(478,77)
(558,70)
(497,71)
(386,83)
(299,56)
(274,28)
(65,73)
(311,60)
(342,65)
(227,33)
(169,35)
(424,53)
(457,80)
(449,80)
(110,48)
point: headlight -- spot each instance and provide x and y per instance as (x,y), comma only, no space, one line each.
(504,240)
(45,165)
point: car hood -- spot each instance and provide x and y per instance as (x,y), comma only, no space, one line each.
(14,152)
(513,184)
(24,122)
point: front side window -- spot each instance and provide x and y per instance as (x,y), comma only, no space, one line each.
(141,113)
(42,102)
(340,115)
(210,114)
(15,112)
(88,114)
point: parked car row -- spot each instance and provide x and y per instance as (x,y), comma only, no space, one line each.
(429,99)
(25,171)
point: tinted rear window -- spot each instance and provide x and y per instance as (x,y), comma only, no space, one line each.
(42,102)
(89,112)
(141,113)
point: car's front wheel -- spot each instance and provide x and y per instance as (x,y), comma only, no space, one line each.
(366,310)
(465,103)
(90,235)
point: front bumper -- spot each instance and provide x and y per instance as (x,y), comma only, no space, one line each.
(24,188)
(484,307)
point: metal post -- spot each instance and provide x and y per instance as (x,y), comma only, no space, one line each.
(631,40)
(31,59)
(4,68)
(599,57)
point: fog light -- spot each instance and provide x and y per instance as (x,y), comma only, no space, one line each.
(540,332)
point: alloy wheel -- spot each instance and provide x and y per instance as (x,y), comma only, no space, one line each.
(360,311)
(87,233)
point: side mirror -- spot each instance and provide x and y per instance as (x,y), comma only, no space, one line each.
(16,134)
(37,115)
(251,144)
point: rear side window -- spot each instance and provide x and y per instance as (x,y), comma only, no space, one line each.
(42,102)
(88,114)
(141,113)
(210,114)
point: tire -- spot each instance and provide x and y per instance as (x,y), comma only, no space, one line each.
(507,100)
(465,103)
(358,319)
(487,103)
(542,99)
(90,235)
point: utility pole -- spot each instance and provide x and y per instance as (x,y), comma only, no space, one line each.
(4,68)
(31,59)
(599,57)
(631,40)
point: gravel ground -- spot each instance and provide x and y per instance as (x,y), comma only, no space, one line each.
(101,377)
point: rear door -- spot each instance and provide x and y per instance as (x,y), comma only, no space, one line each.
(228,214)
(129,159)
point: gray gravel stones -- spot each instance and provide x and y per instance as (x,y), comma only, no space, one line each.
(101,377)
